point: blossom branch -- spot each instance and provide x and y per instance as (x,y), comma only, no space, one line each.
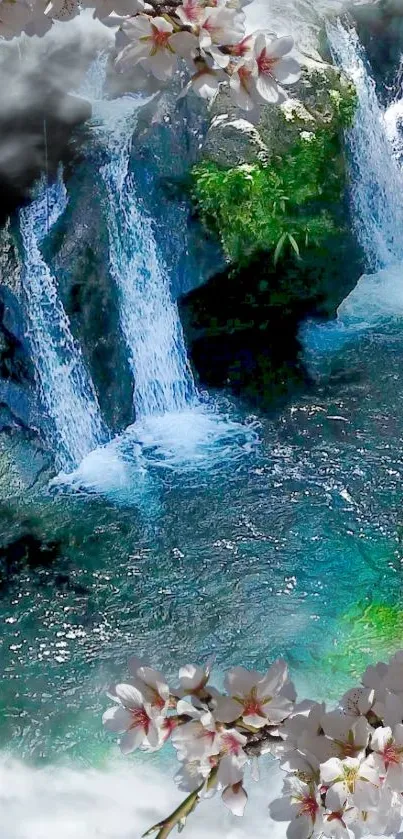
(177,817)
(343,768)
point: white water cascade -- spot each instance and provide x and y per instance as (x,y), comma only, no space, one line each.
(65,386)
(377,209)
(377,183)
(163,382)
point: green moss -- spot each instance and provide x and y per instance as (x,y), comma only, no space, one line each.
(288,204)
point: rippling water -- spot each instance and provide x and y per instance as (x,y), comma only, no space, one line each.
(276,551)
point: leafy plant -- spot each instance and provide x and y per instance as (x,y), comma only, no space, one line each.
(285,205)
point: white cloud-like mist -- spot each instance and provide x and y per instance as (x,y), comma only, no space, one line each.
(37,75)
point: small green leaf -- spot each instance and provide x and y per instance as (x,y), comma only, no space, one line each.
(279,248)
(294,244)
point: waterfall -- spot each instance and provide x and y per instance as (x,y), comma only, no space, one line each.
(377,204)
(377,183)
(65,386)
(150,323)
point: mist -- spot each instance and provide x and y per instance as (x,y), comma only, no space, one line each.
(38,108)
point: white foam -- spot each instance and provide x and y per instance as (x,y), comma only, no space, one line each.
(119,803)
(191,440)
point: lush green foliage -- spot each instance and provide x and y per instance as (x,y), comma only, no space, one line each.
(283,206)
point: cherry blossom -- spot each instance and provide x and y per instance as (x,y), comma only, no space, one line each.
(243,85)
(349,780)
(274,67)
(153,42)
(343,768)
(301,805)
(349,735)
(197,738)
(222,25)
(151,684)
(132,718)
(387,757)
(254,697)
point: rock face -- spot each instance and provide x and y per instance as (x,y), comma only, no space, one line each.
(167,143)
(77,252)
(274,193)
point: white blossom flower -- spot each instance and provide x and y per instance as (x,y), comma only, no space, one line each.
(349,735)
(154,43)
(205,82)
(191,12)
(349,780)
(387,757)
(223,25)
(196,739)
(300,805)
(151,684)
(132,718)
(193,679)
(274,67)
(242,85)
(359,700)
(192,774)
(254,697)
(340,824)
(232,757)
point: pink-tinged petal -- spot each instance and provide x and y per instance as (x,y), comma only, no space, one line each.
(117,719)
(206,84)
(239,681)
(279,47)
(132,740)
(240,94)
(129,696)
(184,44)
(255,720)
(230,770)
(162,65)
(301,828)
(155,680)
(380,739)
(394,777)
(137,27)
(268,89)
(132,54)
(192,677)
(153,735)
(287,70)
(162,25)
(283,810)
(236,799)
(336,796)
(277,710)
(273,680)
(331,770)
(227,710)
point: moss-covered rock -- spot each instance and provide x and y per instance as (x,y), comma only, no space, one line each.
(287,187)
(281,215)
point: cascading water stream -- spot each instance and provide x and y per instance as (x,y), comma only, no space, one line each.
(377,207)
(65,386)
(377,183)
(163,381)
